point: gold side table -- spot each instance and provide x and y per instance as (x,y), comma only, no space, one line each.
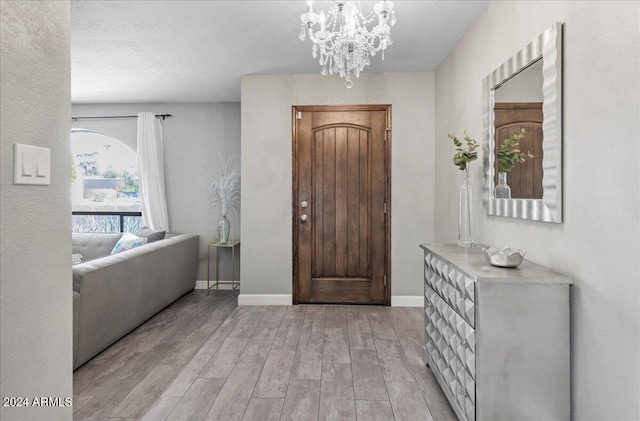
(232,244)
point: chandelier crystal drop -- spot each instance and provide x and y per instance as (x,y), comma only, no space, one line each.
(343,42)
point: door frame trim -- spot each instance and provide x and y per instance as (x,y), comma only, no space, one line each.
(294,205)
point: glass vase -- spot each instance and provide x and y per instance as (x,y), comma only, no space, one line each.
(503,191)
(223,230)
(464,216)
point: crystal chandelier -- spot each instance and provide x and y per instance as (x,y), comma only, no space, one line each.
(343,41)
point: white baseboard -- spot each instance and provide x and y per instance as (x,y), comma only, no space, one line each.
(203,285)
(407,301)
(265,300)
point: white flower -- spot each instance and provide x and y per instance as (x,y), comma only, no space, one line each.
(226,184)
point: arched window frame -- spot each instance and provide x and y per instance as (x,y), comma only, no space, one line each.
(121,212)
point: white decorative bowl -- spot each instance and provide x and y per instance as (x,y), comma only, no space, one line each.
(504,258)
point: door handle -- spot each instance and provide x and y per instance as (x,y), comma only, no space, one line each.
(304,204)
(303,217)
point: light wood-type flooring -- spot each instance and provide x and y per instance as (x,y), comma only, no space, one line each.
(205,358)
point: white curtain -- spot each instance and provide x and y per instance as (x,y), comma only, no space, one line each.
(151,172)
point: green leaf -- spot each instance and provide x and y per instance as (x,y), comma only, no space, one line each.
(464,156)
(509,155)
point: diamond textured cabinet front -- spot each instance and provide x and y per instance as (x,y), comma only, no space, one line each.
(496,339)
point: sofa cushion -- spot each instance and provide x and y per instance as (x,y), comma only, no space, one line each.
(93,245)
(128,241)
(150,235)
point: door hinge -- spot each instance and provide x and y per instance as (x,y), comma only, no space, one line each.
(386,133)
(385,280)
(385,208)
(299,115)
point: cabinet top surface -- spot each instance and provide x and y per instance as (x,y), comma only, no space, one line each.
(471,261)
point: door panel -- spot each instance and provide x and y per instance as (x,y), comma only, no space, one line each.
(337,170)
(341,250)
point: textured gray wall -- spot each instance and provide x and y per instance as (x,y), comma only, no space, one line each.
(194,133)
(598,242)
(267,170)
(35,265)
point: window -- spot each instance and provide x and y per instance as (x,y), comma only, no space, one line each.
(105,196)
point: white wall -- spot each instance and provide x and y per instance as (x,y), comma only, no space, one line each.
(35,265)
(598,244)
(194,133)
(266,266)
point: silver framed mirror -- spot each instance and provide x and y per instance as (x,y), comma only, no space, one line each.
(530,79)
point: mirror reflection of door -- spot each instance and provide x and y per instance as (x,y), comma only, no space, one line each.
(518,105)
(525,179)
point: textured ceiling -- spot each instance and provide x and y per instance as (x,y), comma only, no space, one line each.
(196,51)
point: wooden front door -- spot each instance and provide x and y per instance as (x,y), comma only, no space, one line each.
(341,204)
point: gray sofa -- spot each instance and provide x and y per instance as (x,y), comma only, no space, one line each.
(113,294)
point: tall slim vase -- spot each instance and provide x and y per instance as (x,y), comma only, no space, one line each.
(223,230)
(464,216)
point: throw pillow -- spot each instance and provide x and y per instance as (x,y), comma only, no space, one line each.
(127,242)
(150,235)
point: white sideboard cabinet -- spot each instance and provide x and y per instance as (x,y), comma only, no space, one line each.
(497,339)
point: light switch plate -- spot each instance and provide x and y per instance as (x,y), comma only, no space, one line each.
(31,165)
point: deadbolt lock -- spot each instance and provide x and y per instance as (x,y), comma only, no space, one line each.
(304,204)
